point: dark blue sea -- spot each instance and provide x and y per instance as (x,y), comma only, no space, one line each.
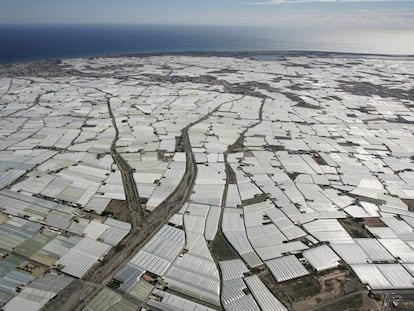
(20,43)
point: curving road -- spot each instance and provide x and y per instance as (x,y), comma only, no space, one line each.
(130,187)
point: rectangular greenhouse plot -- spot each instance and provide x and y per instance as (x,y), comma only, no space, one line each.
(173,302)
(286,268)
(384,276)
(79,259)
(262,295)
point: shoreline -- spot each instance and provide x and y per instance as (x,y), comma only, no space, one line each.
(53,68)
(236,54)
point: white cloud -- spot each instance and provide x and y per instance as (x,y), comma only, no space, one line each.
(276,2)
(328,20)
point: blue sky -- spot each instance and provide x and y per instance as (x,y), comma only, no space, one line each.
(389,14)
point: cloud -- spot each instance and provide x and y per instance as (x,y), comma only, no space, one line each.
(313,18)
(276,2)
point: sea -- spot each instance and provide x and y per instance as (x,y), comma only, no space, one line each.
(22,43)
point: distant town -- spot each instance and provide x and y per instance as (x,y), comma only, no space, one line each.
(208,182)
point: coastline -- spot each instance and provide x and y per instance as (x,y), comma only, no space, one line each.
(49,66)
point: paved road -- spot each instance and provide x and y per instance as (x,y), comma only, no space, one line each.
(399,296)
(130,187)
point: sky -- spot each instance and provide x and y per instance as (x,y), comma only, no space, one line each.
(385,14)
(380,26)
